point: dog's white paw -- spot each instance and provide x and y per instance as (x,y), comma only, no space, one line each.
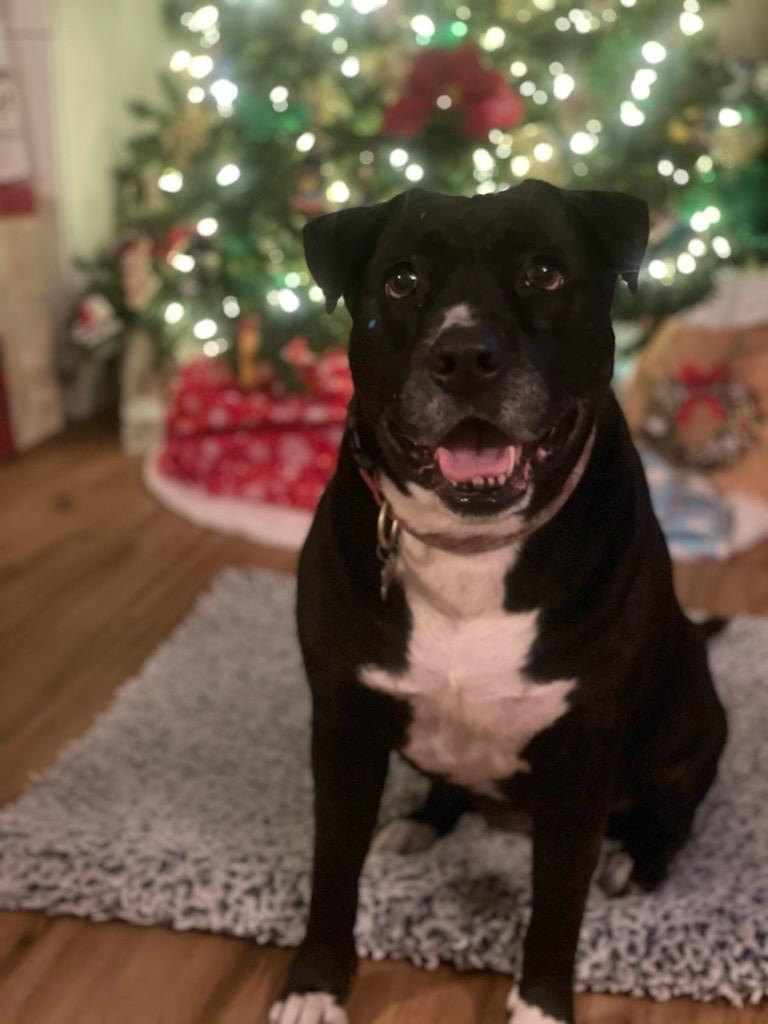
(616,873)
(308,1008)
(404,835)
(521,1012)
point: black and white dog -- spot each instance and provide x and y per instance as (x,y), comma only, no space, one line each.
(485,588)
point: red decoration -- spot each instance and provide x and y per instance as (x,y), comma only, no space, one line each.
(699,383)
(481,95)
(263,445)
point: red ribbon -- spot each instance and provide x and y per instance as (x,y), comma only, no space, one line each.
(695,377)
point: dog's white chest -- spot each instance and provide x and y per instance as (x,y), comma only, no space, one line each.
(473,708)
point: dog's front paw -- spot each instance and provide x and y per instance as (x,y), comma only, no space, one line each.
(308,1008)
(521,1012)
(404,835)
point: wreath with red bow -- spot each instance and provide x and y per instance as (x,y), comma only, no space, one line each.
(705,418)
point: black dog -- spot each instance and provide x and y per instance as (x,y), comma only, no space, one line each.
(516,635)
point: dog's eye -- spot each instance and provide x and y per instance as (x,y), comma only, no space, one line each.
(543,275)
(402,282)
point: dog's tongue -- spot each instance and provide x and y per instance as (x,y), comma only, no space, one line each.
(466,454)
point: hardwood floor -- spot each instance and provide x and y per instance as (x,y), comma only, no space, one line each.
(93,575)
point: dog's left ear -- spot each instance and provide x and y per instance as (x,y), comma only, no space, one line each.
(338,246)
(620,222)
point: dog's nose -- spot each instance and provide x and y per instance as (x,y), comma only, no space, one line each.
(464,363)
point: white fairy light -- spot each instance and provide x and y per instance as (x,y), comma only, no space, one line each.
(289,300)
(485,188)
(594,126)
(207,226)
(211,349)
(398,158)
(367,157)
(657,269)
(180,60)
(309,17)
(228,175)
(528,88)
(293,280)
(504,151)
(691,23)
(494,38)
(203,18)
(543,152)
(563,85)
(697,247)
(273,297)
(483,160)
(174,312)
(423,25)
(414,172)
(231,307)
(562,24)
(666,168)
(279,94)
(544,5)
(628,3)
(305,142)
(316,294)
(699,221)
(692,5)
(540,97)
(705,163)
(339,45)
(200,66)
(196,94)
(518,68)
(686,263)
(653,52)
(224,92)
(713,213)
(631,115)
(205,329)
(350,67)
(729,118)
(338,192)
(444,102)
(520,165)
(582,143)
(182,262)
(721,246)
(325,23)
(681,176)
(171,180)
(609,15)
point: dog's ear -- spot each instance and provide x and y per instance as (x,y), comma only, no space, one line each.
(338,246)
(620,223)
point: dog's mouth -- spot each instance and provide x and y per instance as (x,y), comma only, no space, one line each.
(478,467)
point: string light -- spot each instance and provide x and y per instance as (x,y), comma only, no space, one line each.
(200,66)
(203,18)
(729,118)
(211,349)
(666,168)
(338,192)
(174,313)
(171,180)
(367,157)
(594,126)
(180,60)
(228,175)
(398,158)
(705,163)
(690,23)
(582,143)
(721,246)
(309,17)
(207,226)
(520,165)
(483,161)
(681,177)
(196,94)
(518,68)
(340,45)
(224,92)
(316,294)
(609,15)
(182,262)
(305,142)
(423,25)
(231,307)
(653,52)
(697,247)
(713,213)
(414,172)
(544,5)
(204,329)
(279,94)
(350,67)
(658,269)
(563,85)
(494,38)
(485,188)
(540,97)
(444,102)
(289,300)
(543,152)
(631,115)
(463,12)
(562,24)
(686,263)
(293,280)
(325,23)
(528,88)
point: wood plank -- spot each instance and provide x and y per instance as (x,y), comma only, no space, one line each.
(93,576)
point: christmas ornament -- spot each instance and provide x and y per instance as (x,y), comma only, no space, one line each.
(248,339)
(140,282)
(95,321)
(309,198)
(479,95)
(704,418)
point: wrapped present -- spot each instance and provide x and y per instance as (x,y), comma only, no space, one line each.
(265,445)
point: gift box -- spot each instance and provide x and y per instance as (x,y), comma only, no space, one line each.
(266,445)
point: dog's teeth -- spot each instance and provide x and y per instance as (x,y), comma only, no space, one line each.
(477,481)
(501,480)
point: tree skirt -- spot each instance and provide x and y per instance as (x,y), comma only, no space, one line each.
(188,802)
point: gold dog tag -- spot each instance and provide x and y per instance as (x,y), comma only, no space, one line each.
(388,537)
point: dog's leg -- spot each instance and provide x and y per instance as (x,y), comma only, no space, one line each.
(349,764)
(569,813)
(416,833)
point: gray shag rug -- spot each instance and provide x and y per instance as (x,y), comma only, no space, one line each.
(188,804)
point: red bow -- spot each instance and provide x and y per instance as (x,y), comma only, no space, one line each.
(697,379)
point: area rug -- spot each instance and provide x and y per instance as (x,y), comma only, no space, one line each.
(187,804)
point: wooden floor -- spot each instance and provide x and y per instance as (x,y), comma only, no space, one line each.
(93,575)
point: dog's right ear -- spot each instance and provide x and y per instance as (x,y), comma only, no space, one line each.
(338,246)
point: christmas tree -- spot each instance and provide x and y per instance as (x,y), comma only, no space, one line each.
(280,110)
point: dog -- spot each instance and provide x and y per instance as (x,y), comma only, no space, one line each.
(485,588)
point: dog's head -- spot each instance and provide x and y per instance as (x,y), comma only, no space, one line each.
(481,344)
